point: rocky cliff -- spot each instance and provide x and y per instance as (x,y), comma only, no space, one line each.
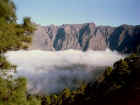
(125,38)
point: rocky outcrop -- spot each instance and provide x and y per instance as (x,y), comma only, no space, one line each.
(125,38)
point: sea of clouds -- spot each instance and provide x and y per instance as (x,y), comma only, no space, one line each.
(51,71)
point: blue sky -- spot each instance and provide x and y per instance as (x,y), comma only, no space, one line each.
(101,12)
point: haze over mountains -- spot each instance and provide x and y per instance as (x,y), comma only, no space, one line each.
(124,38)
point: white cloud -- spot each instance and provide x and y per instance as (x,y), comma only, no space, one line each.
(49,72)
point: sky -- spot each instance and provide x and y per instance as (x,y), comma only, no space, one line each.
(101,12)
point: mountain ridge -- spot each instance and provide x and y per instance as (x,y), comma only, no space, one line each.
(88,36)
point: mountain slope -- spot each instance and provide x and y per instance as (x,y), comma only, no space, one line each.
(125,38)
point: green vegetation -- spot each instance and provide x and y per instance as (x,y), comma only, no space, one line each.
(13,36)
(116,86)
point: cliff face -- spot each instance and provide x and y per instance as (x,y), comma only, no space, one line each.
(124,38)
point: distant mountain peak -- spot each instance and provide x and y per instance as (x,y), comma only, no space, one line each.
(125,38)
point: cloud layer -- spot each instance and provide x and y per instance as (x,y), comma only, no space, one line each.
(51,72)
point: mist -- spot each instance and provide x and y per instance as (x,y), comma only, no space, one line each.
(50,72)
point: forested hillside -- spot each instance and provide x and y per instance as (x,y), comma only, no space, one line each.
(116,86)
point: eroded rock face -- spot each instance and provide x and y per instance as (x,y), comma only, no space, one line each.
(124,38)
